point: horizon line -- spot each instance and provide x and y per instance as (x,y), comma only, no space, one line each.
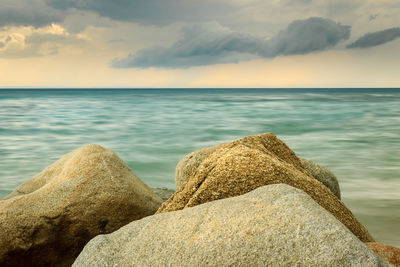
(183,88)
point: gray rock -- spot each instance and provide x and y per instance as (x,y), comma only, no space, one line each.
(163,192)
(322,174)
(243,165)
(274,225)
(189,163)
(48,220)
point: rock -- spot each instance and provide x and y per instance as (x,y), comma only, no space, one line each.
(322,174)
(49,219)
(274,225)
(188,165)
(245,164)
(391,254)
(163,192)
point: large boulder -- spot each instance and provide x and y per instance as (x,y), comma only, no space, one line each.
(390,253)
(189,163)
(322,174)
(245,164)
(274,225)
(48,219)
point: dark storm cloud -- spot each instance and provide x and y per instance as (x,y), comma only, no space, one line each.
(203,44)
(306,36)
(28,12)
(209,44)
(376,38)
(157,12)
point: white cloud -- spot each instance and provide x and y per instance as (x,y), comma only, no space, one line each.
(28,41)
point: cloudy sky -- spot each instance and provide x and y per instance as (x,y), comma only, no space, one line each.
(191,43)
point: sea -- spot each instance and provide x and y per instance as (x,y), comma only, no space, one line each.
(354,132)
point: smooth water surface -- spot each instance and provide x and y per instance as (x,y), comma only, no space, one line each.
(354,132)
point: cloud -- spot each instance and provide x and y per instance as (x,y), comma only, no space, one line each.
(306,36)
(19,42)
(372,17)
(28,13)
(53,33)
(208,44)
(201,44)
(156,12)
(376,38)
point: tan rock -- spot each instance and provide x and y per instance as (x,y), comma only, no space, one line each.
(245,164)
(390,253)
(48,219)
(189,163)
(274,225)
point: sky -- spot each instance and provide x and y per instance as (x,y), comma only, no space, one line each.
(199,44)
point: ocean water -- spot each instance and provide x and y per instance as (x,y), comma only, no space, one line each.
(354,132)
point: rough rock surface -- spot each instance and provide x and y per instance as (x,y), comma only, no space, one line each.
(188,165)
(163,192)
(391,254)
(48,219)
(245,164)
(275,225)
(322,174)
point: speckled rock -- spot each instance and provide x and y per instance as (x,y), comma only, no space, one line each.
(390,253)
(49,219)
(163,192)
(275,225)
(322,174)
(245,164)
(188,165)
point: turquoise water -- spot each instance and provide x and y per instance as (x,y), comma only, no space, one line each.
(354,132)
